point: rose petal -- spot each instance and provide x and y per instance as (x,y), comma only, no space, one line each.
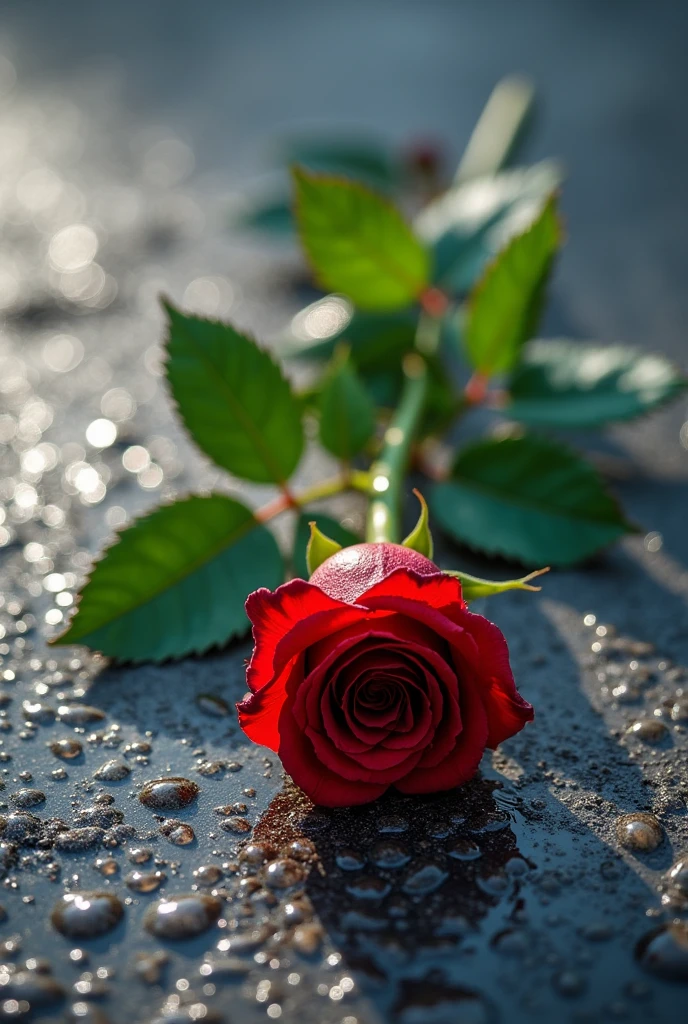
(322,785)
(462,762)
(286,621)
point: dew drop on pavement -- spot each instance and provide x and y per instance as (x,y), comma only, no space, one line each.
(664,951)
(74,840)
(465,849)
(236,824)
(211,704)
(208,874)
(650,730)
(79,714)
(112,771)
(145,881)
(85,915)
(283,873)
(168,794)
(20,826)
(425,879)
(350,860)
(640,832)
(140,854)
(66,749)
(107,866)
(678,876)
(26,798)
(179,833)
(389,854)
(369,887)
(182,917)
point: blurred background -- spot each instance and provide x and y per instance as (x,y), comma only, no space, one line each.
(226,78)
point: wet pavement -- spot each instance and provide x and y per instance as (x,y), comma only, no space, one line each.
(551,887)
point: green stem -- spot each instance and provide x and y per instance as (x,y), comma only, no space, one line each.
(497,133)
(387,474)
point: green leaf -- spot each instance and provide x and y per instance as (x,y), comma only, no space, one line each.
(505,305)
(347,413)
(472,221)
(374,339)
(233,399)
(528,498)
(327,525)
(473,587)
(319,548)
(562,383)
(420,538)
(358,243)
(175,582)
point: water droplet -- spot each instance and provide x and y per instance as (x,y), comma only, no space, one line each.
(182,917)
(107,866)
(76,839)
(465,849)
(31,988)
(26,798)
(235,824)
(211,704)
(569,983)
(664,951)
(350,860)
(300,849)
(100,815)
(650,730)
(177,832)
(639,831)
(112,771)
(85,915)
(257,853)
(425,879)
(37,711)
(208,874)
(368,887)
(20,827)
(140,855)
(79,714)
(283,873)
(389,854)
(169,794)
(679,712)
(145,881)
(392,824)
(66,749)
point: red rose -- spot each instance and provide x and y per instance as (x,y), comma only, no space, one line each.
(375,674)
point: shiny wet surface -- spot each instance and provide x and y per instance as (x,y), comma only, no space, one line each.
(549,888)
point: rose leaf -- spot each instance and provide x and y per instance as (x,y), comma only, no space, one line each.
(504,307)
(233,399)
(175,582)
(347,412)
(561,383)
(358,243)
(528,498)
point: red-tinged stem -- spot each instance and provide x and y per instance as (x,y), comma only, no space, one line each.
(354,480)
(434,302)
(475,391)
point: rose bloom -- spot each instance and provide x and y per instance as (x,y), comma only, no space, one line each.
(375,674)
